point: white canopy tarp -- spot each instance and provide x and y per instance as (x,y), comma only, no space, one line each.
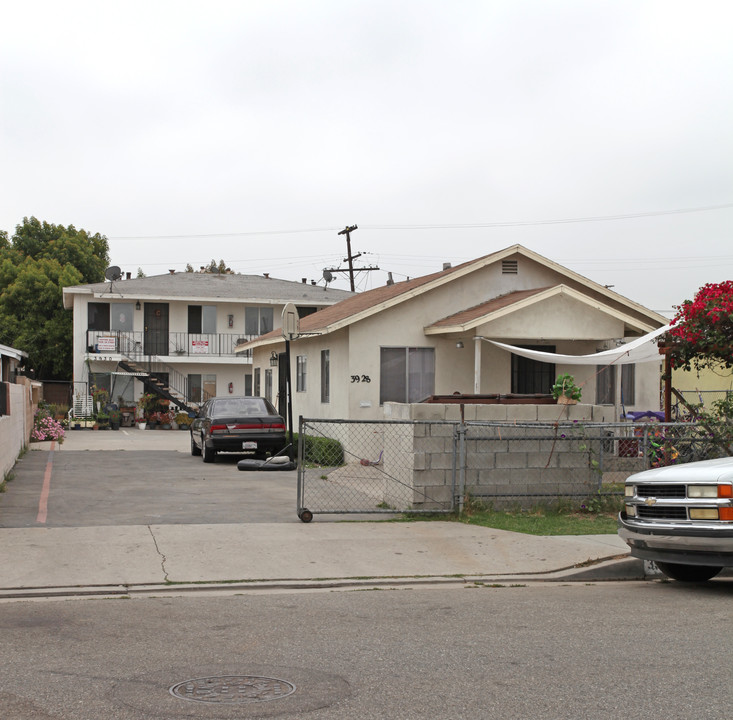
(641,350)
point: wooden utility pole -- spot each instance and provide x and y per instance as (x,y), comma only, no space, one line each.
(348,259)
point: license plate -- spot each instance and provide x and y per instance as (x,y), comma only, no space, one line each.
(249,445)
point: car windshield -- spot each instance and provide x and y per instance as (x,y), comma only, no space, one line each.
(238,407)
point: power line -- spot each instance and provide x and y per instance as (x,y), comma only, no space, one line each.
(439,226)
(524,223)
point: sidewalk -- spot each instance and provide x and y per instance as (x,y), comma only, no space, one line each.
(47,561)
(39,561)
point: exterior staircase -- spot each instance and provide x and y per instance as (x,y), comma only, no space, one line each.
(152,383)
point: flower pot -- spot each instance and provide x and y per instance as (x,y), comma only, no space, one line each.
(565,400)
(141,425)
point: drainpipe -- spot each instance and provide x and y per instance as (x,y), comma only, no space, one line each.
(477,365)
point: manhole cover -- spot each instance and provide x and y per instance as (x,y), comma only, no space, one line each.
(232,689)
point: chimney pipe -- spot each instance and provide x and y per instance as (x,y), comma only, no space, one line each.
(128,275)
(267,275)
(304,281)
(446,266)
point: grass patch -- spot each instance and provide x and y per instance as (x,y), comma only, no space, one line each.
(594,516)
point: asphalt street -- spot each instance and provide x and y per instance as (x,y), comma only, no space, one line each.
(641,650)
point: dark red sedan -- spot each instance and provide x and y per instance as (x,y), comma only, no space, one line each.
(237,425)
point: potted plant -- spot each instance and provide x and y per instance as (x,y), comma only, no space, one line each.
(103,421)
(153,420)
(115,418)
(565,391)
(183,421)
(165,420)
(101,396)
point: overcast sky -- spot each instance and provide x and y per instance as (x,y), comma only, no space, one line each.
(254,131)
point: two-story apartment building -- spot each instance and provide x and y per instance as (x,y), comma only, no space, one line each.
(182,328)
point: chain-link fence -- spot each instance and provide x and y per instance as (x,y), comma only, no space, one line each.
(705,398)
(432,466)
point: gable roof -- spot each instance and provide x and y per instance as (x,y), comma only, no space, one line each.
(366,304)
(512,302)
(200,287)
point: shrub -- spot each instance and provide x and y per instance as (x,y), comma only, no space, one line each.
(45,427)
(321,450)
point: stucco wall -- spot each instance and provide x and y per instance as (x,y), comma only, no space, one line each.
(15,428)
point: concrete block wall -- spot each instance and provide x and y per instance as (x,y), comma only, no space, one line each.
(510,462)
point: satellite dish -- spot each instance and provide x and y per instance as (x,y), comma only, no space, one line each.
(113,273)
(327,275)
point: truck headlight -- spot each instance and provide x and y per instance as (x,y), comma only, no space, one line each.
(631,511)
(702,491)
(629,490)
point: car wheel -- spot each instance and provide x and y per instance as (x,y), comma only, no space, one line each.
(688,573)
(195,449)
(209,454)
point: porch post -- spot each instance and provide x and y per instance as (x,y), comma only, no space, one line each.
(477,366)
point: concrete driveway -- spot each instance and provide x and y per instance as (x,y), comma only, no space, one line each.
(139,477)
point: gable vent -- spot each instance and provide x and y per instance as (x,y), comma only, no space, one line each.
(509,267)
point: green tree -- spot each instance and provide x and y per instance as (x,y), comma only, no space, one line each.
(35,265)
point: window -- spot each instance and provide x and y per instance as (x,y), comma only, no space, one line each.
(300,372)
(628,384)
(202,319)
(258,320)
(209,383)
(98,316)
(406,374)
(257,382)
(121,316)
(305,311)
(248,385)
(201,387)
(325,376)
(532,377)
(268,385)
(605,384)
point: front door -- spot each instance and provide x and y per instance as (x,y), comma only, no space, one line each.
(282,384)
(156,329)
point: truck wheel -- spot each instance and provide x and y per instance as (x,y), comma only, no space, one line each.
(688,573)
(209,454)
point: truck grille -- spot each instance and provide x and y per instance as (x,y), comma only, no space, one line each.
(662,491)
(661,513)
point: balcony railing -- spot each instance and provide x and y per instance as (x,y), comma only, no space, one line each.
(162,344)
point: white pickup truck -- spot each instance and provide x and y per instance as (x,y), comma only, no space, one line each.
(681,517)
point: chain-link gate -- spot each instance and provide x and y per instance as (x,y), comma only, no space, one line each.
(432,466)
(375,467)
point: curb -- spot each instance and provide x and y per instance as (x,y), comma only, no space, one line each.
(607,570)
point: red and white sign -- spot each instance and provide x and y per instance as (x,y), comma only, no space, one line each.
(106,343)
(199,347)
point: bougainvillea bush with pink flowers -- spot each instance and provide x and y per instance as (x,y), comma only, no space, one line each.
(702,332)
(46,428)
